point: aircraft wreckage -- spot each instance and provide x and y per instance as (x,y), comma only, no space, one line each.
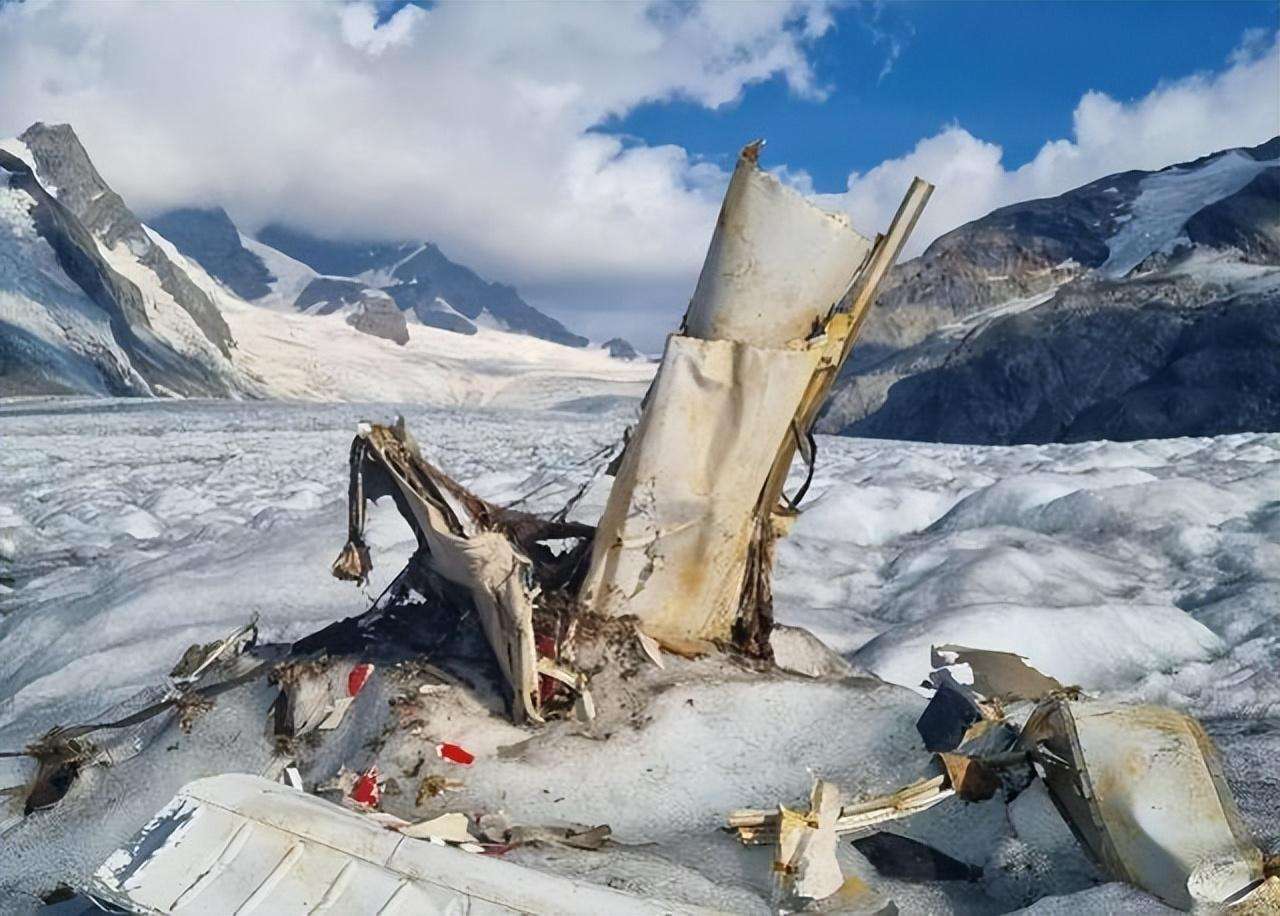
(577,625)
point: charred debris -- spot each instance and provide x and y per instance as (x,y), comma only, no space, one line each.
(546,619)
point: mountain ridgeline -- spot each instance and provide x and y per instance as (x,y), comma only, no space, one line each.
(422,281)
(88,302)
(1144,304)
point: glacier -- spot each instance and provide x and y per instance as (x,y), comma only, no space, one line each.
(1146,571)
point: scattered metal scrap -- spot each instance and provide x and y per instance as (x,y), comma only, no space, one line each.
(686,547)
(63,752)
(1141,788)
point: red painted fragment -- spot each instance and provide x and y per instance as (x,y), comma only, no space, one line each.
(546,688)
(545,644)
(358,677)
(367,791)
(455,753)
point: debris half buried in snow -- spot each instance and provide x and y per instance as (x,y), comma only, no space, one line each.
(755,826)
(316,694)
(806,861)
(1142,787)
(650,647)
(241,844)
(1001,676)
(447,828)
(367,791)
(455,754)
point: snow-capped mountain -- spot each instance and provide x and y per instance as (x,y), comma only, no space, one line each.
(88,302)
(209,236)
(423,281)
(92,301)
(424,285)
(1142,304)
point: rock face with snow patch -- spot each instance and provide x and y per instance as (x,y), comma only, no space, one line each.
(209,237)
(61,160)
(1248,220)
(69,322)
(430,309)
(416,276)
(368,310)
(1142,304)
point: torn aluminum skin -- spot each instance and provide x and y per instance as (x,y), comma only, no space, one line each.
(686,539)
(1142,787)
(241,844)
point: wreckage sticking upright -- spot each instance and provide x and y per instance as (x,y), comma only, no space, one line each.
(686,541)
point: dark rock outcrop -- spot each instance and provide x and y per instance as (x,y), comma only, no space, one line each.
(1103,359)
(429,309)
(208,237)
(369,310)
(620,349)
(378,316)
(1006,330)
(1248,220)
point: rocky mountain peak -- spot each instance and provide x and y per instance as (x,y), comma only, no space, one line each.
(62,163)
(209,236)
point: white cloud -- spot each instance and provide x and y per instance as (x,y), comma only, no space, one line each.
(360,27)
(1177,121)
(469,124)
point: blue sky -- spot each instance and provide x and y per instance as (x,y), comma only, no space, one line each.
(1009,72)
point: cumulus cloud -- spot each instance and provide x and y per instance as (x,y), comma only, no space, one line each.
(1178,120)
(470,124)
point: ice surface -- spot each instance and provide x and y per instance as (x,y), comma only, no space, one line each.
(1142,570)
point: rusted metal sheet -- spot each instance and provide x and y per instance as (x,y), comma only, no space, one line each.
(1142,787)
(686,539)
(672,544)
(776,264)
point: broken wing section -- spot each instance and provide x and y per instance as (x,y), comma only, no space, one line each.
(240,844)
(686,539)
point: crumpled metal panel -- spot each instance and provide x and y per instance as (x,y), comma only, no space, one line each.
(242,844)
(1142,787)
(776,264)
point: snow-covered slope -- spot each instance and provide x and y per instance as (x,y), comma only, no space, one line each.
(288,277)
(1142,570)
(416,274)
(52,335)
(94,302)
(321,357)
(1167,199)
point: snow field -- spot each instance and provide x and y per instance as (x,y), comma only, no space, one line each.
(1145,570)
